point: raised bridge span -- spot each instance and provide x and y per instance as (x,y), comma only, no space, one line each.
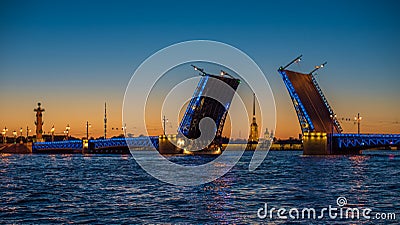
(322,132)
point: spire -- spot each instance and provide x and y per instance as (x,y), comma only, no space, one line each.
(105,120)
(253,137)
(254,105)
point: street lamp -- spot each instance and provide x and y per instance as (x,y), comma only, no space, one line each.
(333,117)
(4,133)
(67,130)
(15,136)
(52,133)
(200,70)
(124,129)
(165,121)
(27,133)
(317,68)
(224,73)
(358,119)
(20,132)
(87,129)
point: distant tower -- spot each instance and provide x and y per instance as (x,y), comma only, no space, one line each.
(105,120)
(253,137)
(266,141)
(267,134)
(39,123)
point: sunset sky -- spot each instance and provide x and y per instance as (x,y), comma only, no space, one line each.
(73,56)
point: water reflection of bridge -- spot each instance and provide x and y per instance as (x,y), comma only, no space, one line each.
(322,133)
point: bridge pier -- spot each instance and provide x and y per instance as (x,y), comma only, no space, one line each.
(316,143)
(166,147)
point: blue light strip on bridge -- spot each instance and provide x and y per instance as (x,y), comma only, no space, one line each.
(99,143)
(187,118)
(366,140)
(301,113)
(71,144)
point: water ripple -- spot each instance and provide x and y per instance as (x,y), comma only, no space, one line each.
(114,189)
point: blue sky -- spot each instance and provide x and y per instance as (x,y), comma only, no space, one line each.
(74,55)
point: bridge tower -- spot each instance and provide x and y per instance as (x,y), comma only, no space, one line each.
(253,137)
(39,122)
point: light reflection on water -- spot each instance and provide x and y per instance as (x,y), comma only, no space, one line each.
(114,189)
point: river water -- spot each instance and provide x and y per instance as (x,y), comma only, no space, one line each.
(114,189)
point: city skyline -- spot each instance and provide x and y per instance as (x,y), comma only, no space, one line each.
(74,57)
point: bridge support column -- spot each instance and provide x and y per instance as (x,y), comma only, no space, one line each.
(85,146)
(316,143)
(166,147)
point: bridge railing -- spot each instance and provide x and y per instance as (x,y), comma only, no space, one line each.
(366,140)
(70,144)
(140,142)
(335,121)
